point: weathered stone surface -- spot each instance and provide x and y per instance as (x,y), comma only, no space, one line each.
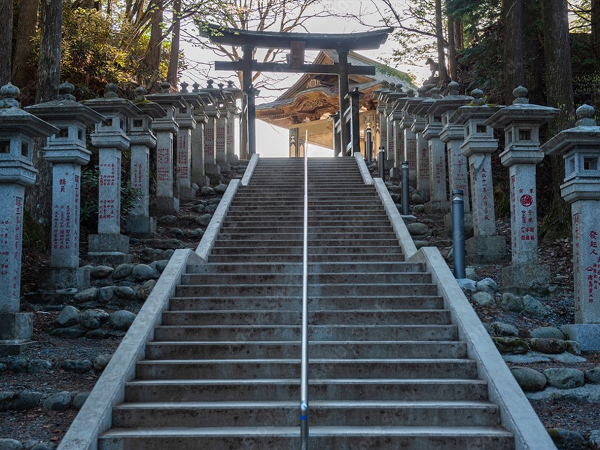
(68,316)
(57,402)
(69,332)
(79,399)
(573,347)
(530,380)
(93,318)
(145,290)
(39,366)
(165,244)
(87,295)
(220,188)
(467,284)
(550,346)
(487,285)
(19,365)
(213,201)
(483,298)
(143,272)
(199,208)
(594,440)
(167,254)
(418,229)
(418,208)
(124,292)
(44,446)
(505,329)
(106,293)
(511,345)
(547,333)
(471,274)
(98,333)
(207,190)
(3,368)
(195,234)
(511,302)
(167,220)
(101,361)
(10,444)
(76,365)
(534,307)
(537,357)
(396,198)
(567,440)
(177,233)
(122,320)
(204,219)
(417,199)
(101,271)
(593,375)
(19,401)
(210,209)
(122,271)
(564,378)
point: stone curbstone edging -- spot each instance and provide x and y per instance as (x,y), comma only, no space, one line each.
(402,233)
(517,415)
(250,170)
(364,171)
(96,414)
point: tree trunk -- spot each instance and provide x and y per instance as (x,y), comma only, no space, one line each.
(174,57)
(559,93)
(48,72)
(439,31)
(6,28)
(458,35)
(514,73)
(596,29)
(23,71)
(152,58)
(452,50)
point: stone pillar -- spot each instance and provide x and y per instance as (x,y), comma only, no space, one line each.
(381,110)
(486,246)
(142,139)
(166,200)
(187,124)
(580,148)
(197,141)
(231,95)
(408,137)
(67,152)
(222,124)
(17,130)
(109,246)
(521,123)
(210,142)
(422,154)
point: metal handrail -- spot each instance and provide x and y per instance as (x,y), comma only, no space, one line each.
(304,362)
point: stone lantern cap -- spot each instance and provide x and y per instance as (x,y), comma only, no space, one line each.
(422,107)
(231,92)
(66,109)
(522,111)
(148,107)
(191,98)
(584,137)
(205,96)
(450,102)
(14,120)
(411,103)
(216,93)
(165,98)
(113,104)
(476,110)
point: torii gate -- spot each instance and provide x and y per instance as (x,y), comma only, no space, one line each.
(297,43)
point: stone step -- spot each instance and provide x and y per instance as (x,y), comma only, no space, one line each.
(298,208)
(296,227)
(283,303)
(327,258)
(312,236)
(323,277)
(339,437)
(315,332)
(318,368)
(291,349)
(371,267)
(312,250)
(312,242)
(277,389)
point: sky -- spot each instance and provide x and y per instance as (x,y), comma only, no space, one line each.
(272,141)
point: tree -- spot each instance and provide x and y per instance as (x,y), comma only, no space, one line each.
(174,57)
(48,71)
(441,42)
(6,28)
(23,68)
(514,65)
(595,24)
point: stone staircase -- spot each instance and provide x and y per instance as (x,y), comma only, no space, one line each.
(387,370)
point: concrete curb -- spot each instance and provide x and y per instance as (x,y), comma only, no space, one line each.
(404,237)
(212,230)
(364,171)
(516,412)
(95,416)
(250,170)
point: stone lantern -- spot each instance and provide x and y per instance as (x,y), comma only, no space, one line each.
(521,122)
(142,140)
(417,127)
(165,128)
(109,246)
(67,152)
(197,166)
(580,148)
(395,116)
(187,124)
(381,110)
(18,128)
(409,140)
(486,246)
(231,94)
(210,134)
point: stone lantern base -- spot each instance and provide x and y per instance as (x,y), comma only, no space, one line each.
(56,278)
(486,250)
(16,330)
(164,205)
(437,207)
(108,248)
(587,335)
(141,226)
(523,277)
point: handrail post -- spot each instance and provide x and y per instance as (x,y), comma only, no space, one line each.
(304,360)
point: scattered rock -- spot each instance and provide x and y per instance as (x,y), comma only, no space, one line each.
(39,366)
(68,316)
(165,244)
(77,365)
(418,229)
(417,199)
(122,271)
(511,302)
(418,208)
(87,295)
(101,271)
(467,284)
(567,440)
(564,378)
(593,375)
(483,298)
(101,361)
(505,329)
(511,345)
(79,399)
(10,444)
(159,266)
(69,332)
(547,333)
(106,293)
(534,307)
(207,190)
(220,189)
(530,380)
(195,234)
(143,272)
(19,365)
(550,346)
(487,285)
(19,401)
(145,290)
(3,368)
(204,219)
(471,274)
(124,292)
(594,440)
(178,233)
(395,188)
(57,402)
(167,220)
(98,333)
(211,209)
(93,318)
(573,347)
(122,320)
(396,198)
(199,208)
(44,446)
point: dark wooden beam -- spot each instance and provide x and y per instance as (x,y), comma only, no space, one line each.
(285,68)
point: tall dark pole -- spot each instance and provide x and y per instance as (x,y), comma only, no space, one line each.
(248,142)
(344,88)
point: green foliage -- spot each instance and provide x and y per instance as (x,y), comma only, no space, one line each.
(35,235)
